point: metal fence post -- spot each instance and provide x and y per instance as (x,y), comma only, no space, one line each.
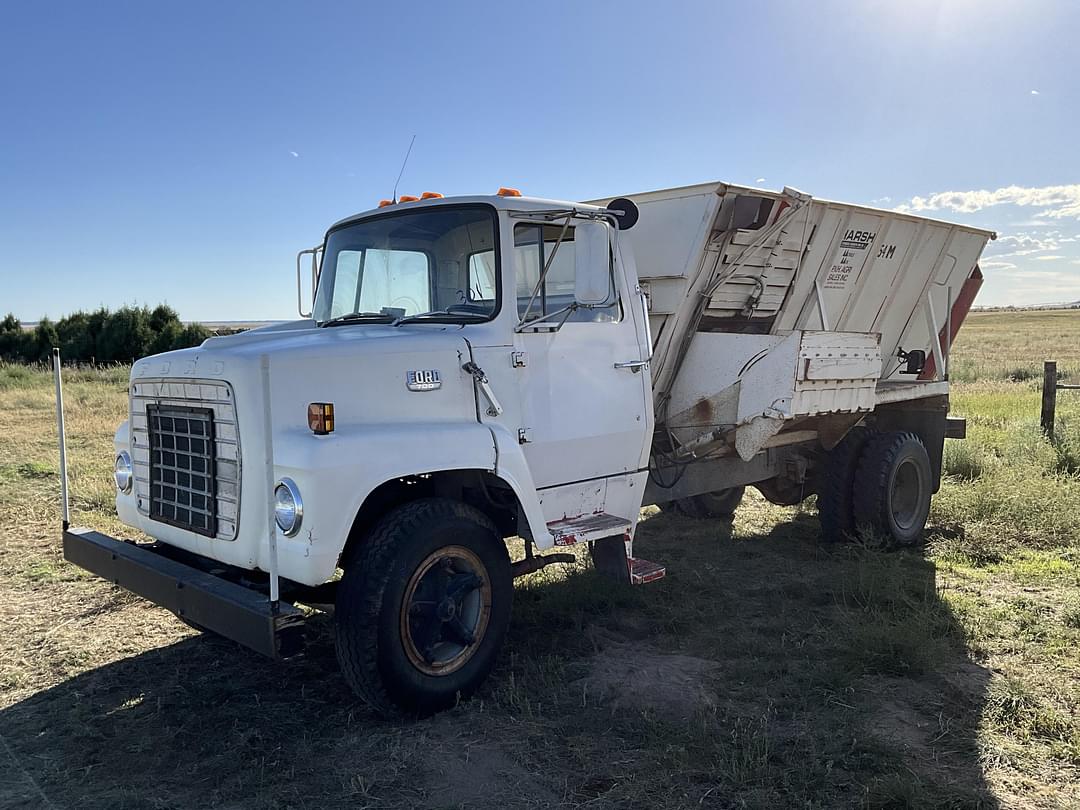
(65,510)
(1049,398)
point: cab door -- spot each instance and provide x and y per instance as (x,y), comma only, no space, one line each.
(583,376)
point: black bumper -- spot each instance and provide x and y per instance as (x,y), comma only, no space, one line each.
(227,608)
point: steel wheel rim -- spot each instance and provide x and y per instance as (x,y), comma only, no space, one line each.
(445,610)
(904,497)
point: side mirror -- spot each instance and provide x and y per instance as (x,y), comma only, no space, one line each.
(316,254)
(592,264)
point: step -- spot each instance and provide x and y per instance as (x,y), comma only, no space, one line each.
(644,571)
(580,529)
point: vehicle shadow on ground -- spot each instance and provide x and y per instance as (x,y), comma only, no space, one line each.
(764,671)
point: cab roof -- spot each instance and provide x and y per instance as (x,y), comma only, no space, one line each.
(500,203)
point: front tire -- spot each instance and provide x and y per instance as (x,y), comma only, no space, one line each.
(423,607)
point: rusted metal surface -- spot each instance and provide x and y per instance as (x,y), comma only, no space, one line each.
(569,531)
(643,571)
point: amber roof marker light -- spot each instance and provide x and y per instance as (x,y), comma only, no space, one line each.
(508,192)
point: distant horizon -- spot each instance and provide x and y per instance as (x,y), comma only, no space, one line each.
(256,322)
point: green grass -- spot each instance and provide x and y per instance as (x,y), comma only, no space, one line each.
(1011,346)
(767,670)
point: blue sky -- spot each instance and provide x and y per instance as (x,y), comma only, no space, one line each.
(184,152)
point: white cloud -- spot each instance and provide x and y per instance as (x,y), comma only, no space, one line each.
(1034,92)
(761,180)
(1000,267)
(1020,244)
(1051,275)
(295,154)
(1056,202)
(1048,258)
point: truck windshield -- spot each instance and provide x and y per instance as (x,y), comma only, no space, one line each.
(438,260)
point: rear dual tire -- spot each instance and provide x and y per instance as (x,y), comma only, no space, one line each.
(894,483)
(876,484)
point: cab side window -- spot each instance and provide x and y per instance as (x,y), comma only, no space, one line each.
(533,248)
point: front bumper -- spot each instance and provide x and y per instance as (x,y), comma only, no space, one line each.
(227,608)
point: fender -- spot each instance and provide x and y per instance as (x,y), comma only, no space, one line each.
(336,473)
(512,468)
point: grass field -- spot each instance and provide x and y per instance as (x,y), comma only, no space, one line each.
(766,670)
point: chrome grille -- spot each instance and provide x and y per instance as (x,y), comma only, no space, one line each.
(213,397)
(182,467)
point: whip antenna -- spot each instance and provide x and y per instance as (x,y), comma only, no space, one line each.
(403,163)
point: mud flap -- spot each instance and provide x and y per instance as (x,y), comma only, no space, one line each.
(610,558)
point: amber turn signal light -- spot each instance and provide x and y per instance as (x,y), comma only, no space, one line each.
(320,418)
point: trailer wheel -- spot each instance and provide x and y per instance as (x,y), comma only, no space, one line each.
(423,607)
(836,510)
(719,504)
(895,482)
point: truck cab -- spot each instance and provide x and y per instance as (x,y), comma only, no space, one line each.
(484,354)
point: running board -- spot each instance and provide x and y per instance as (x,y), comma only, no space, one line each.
(580,529)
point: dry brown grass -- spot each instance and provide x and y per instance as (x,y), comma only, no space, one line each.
(787,674)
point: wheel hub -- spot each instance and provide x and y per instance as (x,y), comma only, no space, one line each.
(445,610)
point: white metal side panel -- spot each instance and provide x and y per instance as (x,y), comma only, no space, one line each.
(894,251)
(671,232)
(955,265)
(714,362)
(800,310)
(852,255)
(906,292)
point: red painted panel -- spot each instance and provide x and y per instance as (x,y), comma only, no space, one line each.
(960,308)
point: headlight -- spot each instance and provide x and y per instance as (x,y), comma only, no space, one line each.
(122,474)
(288,507)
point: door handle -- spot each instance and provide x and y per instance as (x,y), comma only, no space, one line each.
(634,365)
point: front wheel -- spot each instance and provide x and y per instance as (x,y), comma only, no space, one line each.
(423,607)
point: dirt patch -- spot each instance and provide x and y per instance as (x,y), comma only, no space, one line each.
(900,726)
(462,770)
(637,677)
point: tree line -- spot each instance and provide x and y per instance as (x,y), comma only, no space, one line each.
(101,336)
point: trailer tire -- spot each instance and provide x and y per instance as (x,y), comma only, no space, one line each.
(720,504)
(895,484)
(836,509)
(423,607)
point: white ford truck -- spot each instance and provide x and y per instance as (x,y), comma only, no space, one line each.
(478,368)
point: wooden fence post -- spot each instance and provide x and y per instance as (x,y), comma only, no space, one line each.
(1049,398)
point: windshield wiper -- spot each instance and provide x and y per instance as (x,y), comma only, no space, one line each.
(354,317)
(441,313)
